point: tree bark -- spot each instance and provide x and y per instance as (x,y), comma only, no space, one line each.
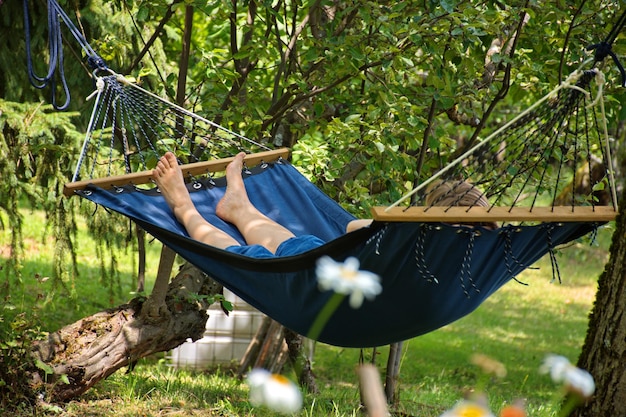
(393,372)
(604,350)
(271,346)
(301,361)
(94,347)
(273,353)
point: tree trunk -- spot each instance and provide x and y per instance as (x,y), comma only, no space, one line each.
(393,372)
(604,351)
(271,346)
(94,347)
(273,352)
(301,361)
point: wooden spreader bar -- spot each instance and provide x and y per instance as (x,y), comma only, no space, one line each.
(479,214)
(194,169)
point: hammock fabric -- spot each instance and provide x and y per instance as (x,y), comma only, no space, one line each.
(432,273)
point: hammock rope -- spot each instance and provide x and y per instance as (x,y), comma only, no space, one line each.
(131,128)
(466,276)
(546,131)
(420,257)
(137,127)
(56,15)
(604,49)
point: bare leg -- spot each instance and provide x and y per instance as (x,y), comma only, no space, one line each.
(236,208)
(357,224)
(169,178)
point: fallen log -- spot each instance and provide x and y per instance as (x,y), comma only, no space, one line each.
(87,351)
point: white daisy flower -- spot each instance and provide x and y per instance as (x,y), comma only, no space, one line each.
(467,408)
(562,371)
(346,278)
(274,391)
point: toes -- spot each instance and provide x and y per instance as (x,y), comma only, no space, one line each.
(238,161)
(165,164)
(170,158)
(158,170)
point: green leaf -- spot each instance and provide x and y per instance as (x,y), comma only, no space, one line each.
(227,305)
(49,370)
(447,5)
(600,186)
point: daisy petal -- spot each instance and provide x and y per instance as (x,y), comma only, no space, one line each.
(346,278)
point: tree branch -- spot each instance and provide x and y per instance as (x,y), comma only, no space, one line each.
(243,66)
(147,45)
(504,89)
(567,38)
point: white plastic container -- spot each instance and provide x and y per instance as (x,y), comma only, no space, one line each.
(226,337)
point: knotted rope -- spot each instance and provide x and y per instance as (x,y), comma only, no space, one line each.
(55,49)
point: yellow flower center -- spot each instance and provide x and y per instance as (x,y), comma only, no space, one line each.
(280,379)
(348,273)
(471,410)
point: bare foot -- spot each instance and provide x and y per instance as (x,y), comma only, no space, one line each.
(235,197)
(169,178)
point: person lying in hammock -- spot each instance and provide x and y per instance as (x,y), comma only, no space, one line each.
(264,237)
(458,193)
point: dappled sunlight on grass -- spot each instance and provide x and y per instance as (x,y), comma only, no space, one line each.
(152,387)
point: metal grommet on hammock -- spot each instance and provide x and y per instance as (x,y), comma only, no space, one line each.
(464,229)
(208,181)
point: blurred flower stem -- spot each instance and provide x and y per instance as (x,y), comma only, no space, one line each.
(324,315)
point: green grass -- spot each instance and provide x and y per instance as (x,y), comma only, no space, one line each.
(516,326)
(62,301)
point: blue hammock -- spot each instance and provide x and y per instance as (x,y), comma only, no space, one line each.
(432,273)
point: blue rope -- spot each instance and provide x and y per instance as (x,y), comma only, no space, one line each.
(55,49)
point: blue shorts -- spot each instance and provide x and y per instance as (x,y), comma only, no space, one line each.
(290,247)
